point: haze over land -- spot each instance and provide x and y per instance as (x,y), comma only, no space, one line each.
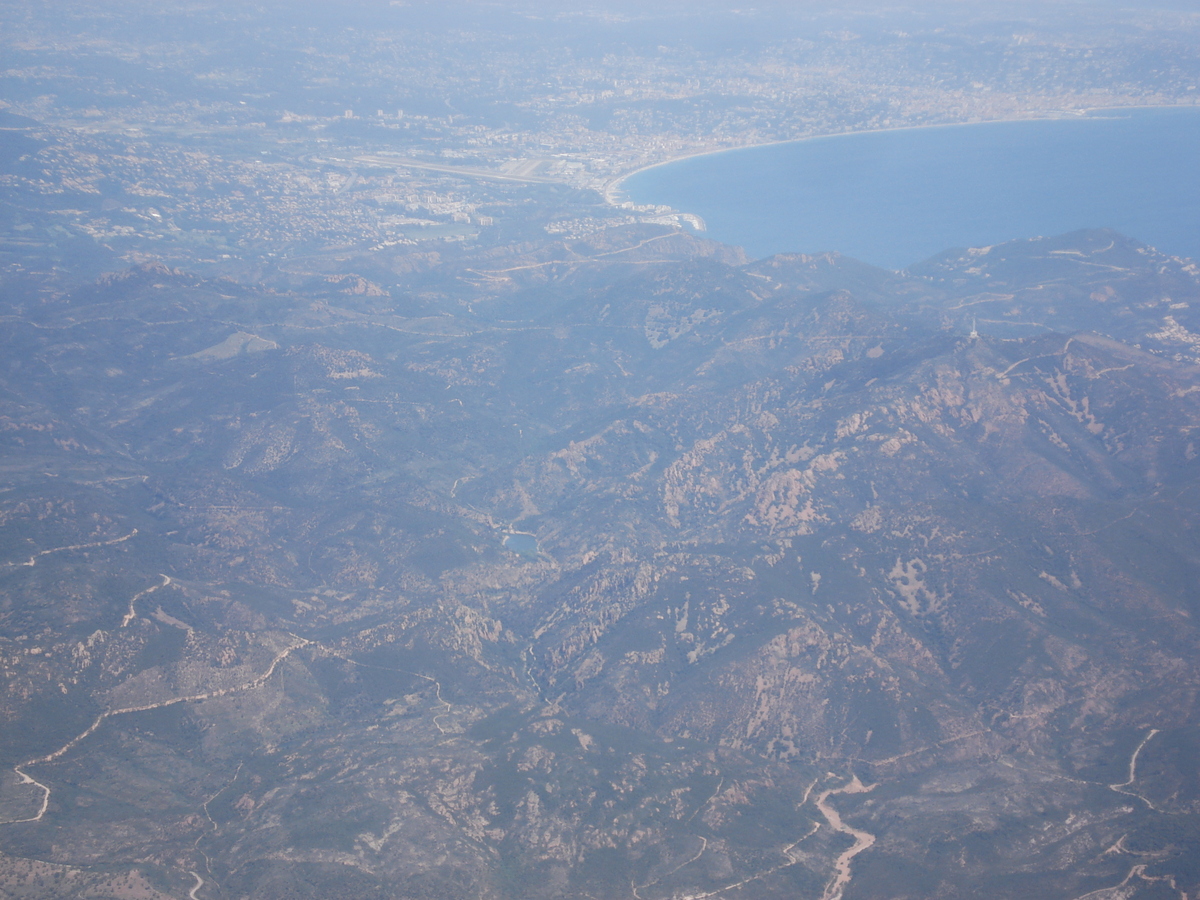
(389,510)
(215,134)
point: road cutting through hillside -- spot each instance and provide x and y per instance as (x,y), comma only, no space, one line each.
(91,729)
(1119,788)
(132,614)
(32,561)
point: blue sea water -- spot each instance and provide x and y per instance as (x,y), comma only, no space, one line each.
(894,198)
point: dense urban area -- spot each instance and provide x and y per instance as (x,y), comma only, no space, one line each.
(209,134)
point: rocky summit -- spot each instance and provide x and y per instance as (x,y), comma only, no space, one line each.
(617,567)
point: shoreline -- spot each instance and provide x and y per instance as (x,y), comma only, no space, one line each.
(612,187)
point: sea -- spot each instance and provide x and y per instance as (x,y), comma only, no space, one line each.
(894,198)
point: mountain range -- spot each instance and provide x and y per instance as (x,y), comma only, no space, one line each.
(621,567)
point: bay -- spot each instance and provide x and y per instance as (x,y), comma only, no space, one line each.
(894,198)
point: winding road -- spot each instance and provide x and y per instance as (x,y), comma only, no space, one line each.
(32,561)
(132,614)
(1119,891)
(842,870)
(1119,788)
(108,714)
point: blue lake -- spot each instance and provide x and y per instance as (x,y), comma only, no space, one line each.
(894,198)
(521,543)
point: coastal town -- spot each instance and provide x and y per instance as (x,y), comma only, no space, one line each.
(354,138)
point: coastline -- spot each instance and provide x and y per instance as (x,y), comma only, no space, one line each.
(613,186)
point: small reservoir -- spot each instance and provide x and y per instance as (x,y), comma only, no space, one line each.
(521,543)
